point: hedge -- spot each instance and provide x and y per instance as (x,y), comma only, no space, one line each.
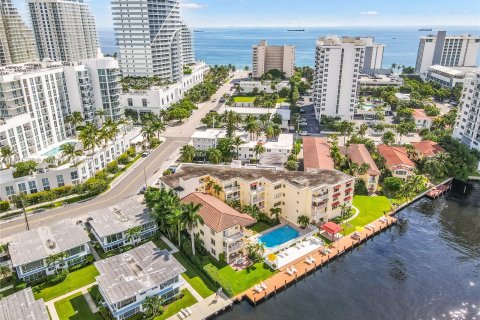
(4,206)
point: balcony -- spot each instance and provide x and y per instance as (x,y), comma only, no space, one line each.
(257,199)
(234,237)
(236,246)
(257,190)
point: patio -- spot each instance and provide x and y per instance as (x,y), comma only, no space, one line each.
(291,254)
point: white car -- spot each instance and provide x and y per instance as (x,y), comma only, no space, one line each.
(304,133)
(303,123)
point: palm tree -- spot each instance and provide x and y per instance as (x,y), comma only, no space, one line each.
(190,219)
(7,155)
(344,208)
(269,132)
(252,128)
(276,131)
(258,150)
(148,134)
(346,128)
(158,126)
(69,151)
(133,234)
(276,212)
(217,189)
(56,258)
(104,135)
(363,169)
(74,119)
(362,129)
(388,138)
(100,113)
(303,221)
(187,153)
(174,220)
(237,142)
(4,271)
(214,156)
(153,306)
(291,165)
(88,137)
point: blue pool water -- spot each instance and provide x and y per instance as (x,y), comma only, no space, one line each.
(54,151)
(278,236)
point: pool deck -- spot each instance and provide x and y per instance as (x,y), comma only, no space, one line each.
(282,279)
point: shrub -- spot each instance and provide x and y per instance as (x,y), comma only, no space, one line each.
(123,159)
(112,167)
(4,206)
(154,142)
(167,172)
(95,186)
(131,152)
(57,278)
(63,191)
(360,188)
(102,174)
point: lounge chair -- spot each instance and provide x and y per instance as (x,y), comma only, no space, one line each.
(290,272)
(258,288)
(189,310)
(184,312)
(263,285)
(180,315)
(293,269)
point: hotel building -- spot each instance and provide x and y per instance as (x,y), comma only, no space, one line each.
(448,77)
(64,30)
(266,58)
(17,44)
(127,279)
(152,38)
(448,51)
(467,127)
(30,250)
(316,194)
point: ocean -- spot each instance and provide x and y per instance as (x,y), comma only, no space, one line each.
(234,45)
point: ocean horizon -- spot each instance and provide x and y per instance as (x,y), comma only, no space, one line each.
(233,45)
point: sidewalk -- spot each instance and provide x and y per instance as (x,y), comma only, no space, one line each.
(207,307)
(84,290)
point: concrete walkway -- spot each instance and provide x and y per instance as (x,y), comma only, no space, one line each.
(84,290)
(194,292)
(94,252)
(206,308)
(173,249)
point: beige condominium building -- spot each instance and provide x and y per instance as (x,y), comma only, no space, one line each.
(318,194)
(223,231)
(266,58)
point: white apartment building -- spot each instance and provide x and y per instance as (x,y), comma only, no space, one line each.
(208,139)
(110,225)
(35,98)
(155,99)
(338,62)
(373,56)
(29,250)
(467,128)
(448,51)
(152,39)
(267,86)
(64,30)
(127,279)
(266,58)
(447,77)
(17,44)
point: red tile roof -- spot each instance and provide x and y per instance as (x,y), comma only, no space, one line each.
(420,114)
(316,154)
(428,148)
(395,156)
(216,214)
(359,154)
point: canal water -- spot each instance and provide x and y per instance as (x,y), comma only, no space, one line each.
(426,267)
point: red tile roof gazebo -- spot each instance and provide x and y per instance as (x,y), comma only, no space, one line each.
(331,227)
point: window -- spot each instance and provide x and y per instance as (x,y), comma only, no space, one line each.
(202,233)
(213,252)
(32,186)
(32,266)
(10,191)
(114,237)
(130,102)
(45,184)
(212,241)
(76,250)
(126,302)
(144,102)
(212,232)
(60,180)
(74,175)
(22,188)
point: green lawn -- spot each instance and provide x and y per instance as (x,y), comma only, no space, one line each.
(160,243)
(259,227)
(75,280)
(240,281)
(186,301)
(195,277)
(371,208)
(96,295)
(75,307)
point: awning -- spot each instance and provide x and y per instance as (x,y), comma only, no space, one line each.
(331,227)
(348,190)
(347,198)
(336,194)
(336,203)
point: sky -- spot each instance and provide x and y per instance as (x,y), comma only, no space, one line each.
(311,13)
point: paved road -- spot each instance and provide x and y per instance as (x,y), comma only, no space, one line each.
(149,168)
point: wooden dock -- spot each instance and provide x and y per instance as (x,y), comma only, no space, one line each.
(282,279)
(437,191)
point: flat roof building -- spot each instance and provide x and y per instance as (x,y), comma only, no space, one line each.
(29,250)
(127,279)
(448,77)
(22,305)
(267,58)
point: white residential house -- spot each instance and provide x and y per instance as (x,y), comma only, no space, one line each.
(110,225)
(267,86)
(30,250)
(127,279)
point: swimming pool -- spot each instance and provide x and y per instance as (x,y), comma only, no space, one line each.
(278,236)
(56,150)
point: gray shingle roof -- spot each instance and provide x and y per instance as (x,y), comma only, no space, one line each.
(119,218)
(33,245)
(22,306)
(129,273)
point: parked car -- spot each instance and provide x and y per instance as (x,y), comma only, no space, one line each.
(142,190)
(304,133)
(145,153)
(302,111)
(303,123)
(38,210)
